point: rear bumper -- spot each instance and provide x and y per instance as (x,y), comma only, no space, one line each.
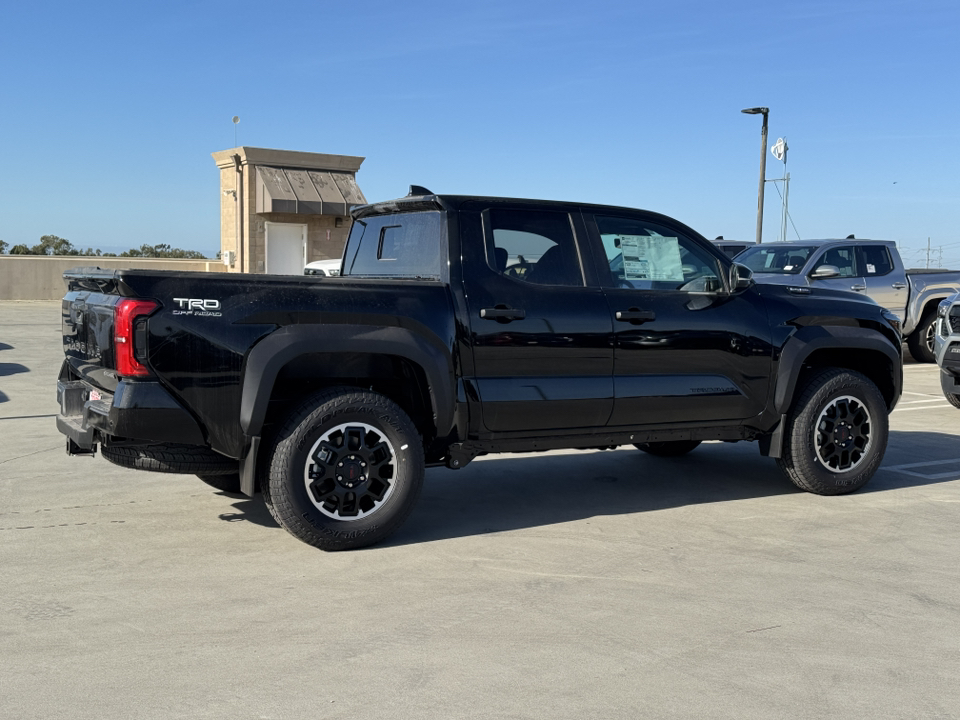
(139,411)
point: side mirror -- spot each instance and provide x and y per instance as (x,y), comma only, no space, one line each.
(826,271)
(741,277)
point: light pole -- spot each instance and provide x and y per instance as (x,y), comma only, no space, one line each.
(763,164)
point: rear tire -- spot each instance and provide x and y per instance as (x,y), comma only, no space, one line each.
(920,341)
(836,433)
(668,448)
(169,458)
(346,469)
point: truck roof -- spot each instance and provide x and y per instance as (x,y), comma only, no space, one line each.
(824,241)
(422,199)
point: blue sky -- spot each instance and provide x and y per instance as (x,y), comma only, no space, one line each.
(109,111)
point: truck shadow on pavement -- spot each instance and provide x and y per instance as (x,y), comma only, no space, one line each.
(247,509)
(510,493)
(12,369)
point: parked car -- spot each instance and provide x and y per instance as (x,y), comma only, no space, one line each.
(732,248)
(868,267)
(947,348)
(628,329)
(327,268)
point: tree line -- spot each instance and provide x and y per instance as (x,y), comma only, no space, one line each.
(54,245)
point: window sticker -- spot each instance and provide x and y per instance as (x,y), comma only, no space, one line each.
(871,268)
(788,268)
(651,258)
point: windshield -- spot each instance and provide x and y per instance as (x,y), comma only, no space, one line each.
(772,259)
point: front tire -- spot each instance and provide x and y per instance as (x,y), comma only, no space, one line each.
(946,384)
(920,342)
(836,433)
(668,448)
(346,469)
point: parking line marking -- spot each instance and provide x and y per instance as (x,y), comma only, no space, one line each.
(928,463)
(910,469)
(915,402)
(906,392)
(925,407)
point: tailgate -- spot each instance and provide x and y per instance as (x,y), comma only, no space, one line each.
(87,324)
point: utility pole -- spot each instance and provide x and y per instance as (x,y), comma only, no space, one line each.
(928,253)
(763,164)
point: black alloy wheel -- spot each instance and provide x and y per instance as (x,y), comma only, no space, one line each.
(843,434)
(346,469)
(835,434)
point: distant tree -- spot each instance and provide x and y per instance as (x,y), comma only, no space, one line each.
(53,245)
(162,250)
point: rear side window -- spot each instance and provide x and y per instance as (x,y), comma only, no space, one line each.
(533,246)
(405,245)
(876,260)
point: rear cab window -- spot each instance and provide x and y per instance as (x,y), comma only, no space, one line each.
(399,245)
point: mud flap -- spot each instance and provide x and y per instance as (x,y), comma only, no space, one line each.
(772,445)
(248,468)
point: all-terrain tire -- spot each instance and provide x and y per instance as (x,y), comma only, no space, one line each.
(836,433)
(946,384)
(668,448)
(169,458)
(345,469)
(920,342)
(227,483)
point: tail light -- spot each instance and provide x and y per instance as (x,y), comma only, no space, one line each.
(130,335)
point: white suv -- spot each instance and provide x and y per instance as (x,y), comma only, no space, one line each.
(329,268)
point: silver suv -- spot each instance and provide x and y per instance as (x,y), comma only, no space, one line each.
(946,346)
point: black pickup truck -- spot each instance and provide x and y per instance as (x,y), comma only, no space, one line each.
(461,326)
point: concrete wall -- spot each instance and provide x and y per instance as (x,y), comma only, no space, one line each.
(34,277)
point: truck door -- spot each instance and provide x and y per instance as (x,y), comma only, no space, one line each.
(685,350)
(887,287)
(845,258)
(538,331)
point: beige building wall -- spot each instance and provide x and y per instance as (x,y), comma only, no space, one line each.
(40,277)
(325,240)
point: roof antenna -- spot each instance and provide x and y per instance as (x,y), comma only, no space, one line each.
(850,237)
(418,190)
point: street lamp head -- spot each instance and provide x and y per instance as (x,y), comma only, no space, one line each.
(756,111)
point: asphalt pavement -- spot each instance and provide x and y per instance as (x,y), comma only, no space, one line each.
(572,584)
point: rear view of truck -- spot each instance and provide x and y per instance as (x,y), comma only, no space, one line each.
(110,399)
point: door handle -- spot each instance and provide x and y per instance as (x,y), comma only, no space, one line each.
(858,288)
(636,316)
(502,313)
(898,286)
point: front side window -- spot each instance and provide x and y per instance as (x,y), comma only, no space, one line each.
(647,256)
(411,245)
(843,259)
(533,246)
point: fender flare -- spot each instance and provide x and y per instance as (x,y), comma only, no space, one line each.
(809,340)
(271,354)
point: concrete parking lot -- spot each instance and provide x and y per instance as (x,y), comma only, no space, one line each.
(557,585)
